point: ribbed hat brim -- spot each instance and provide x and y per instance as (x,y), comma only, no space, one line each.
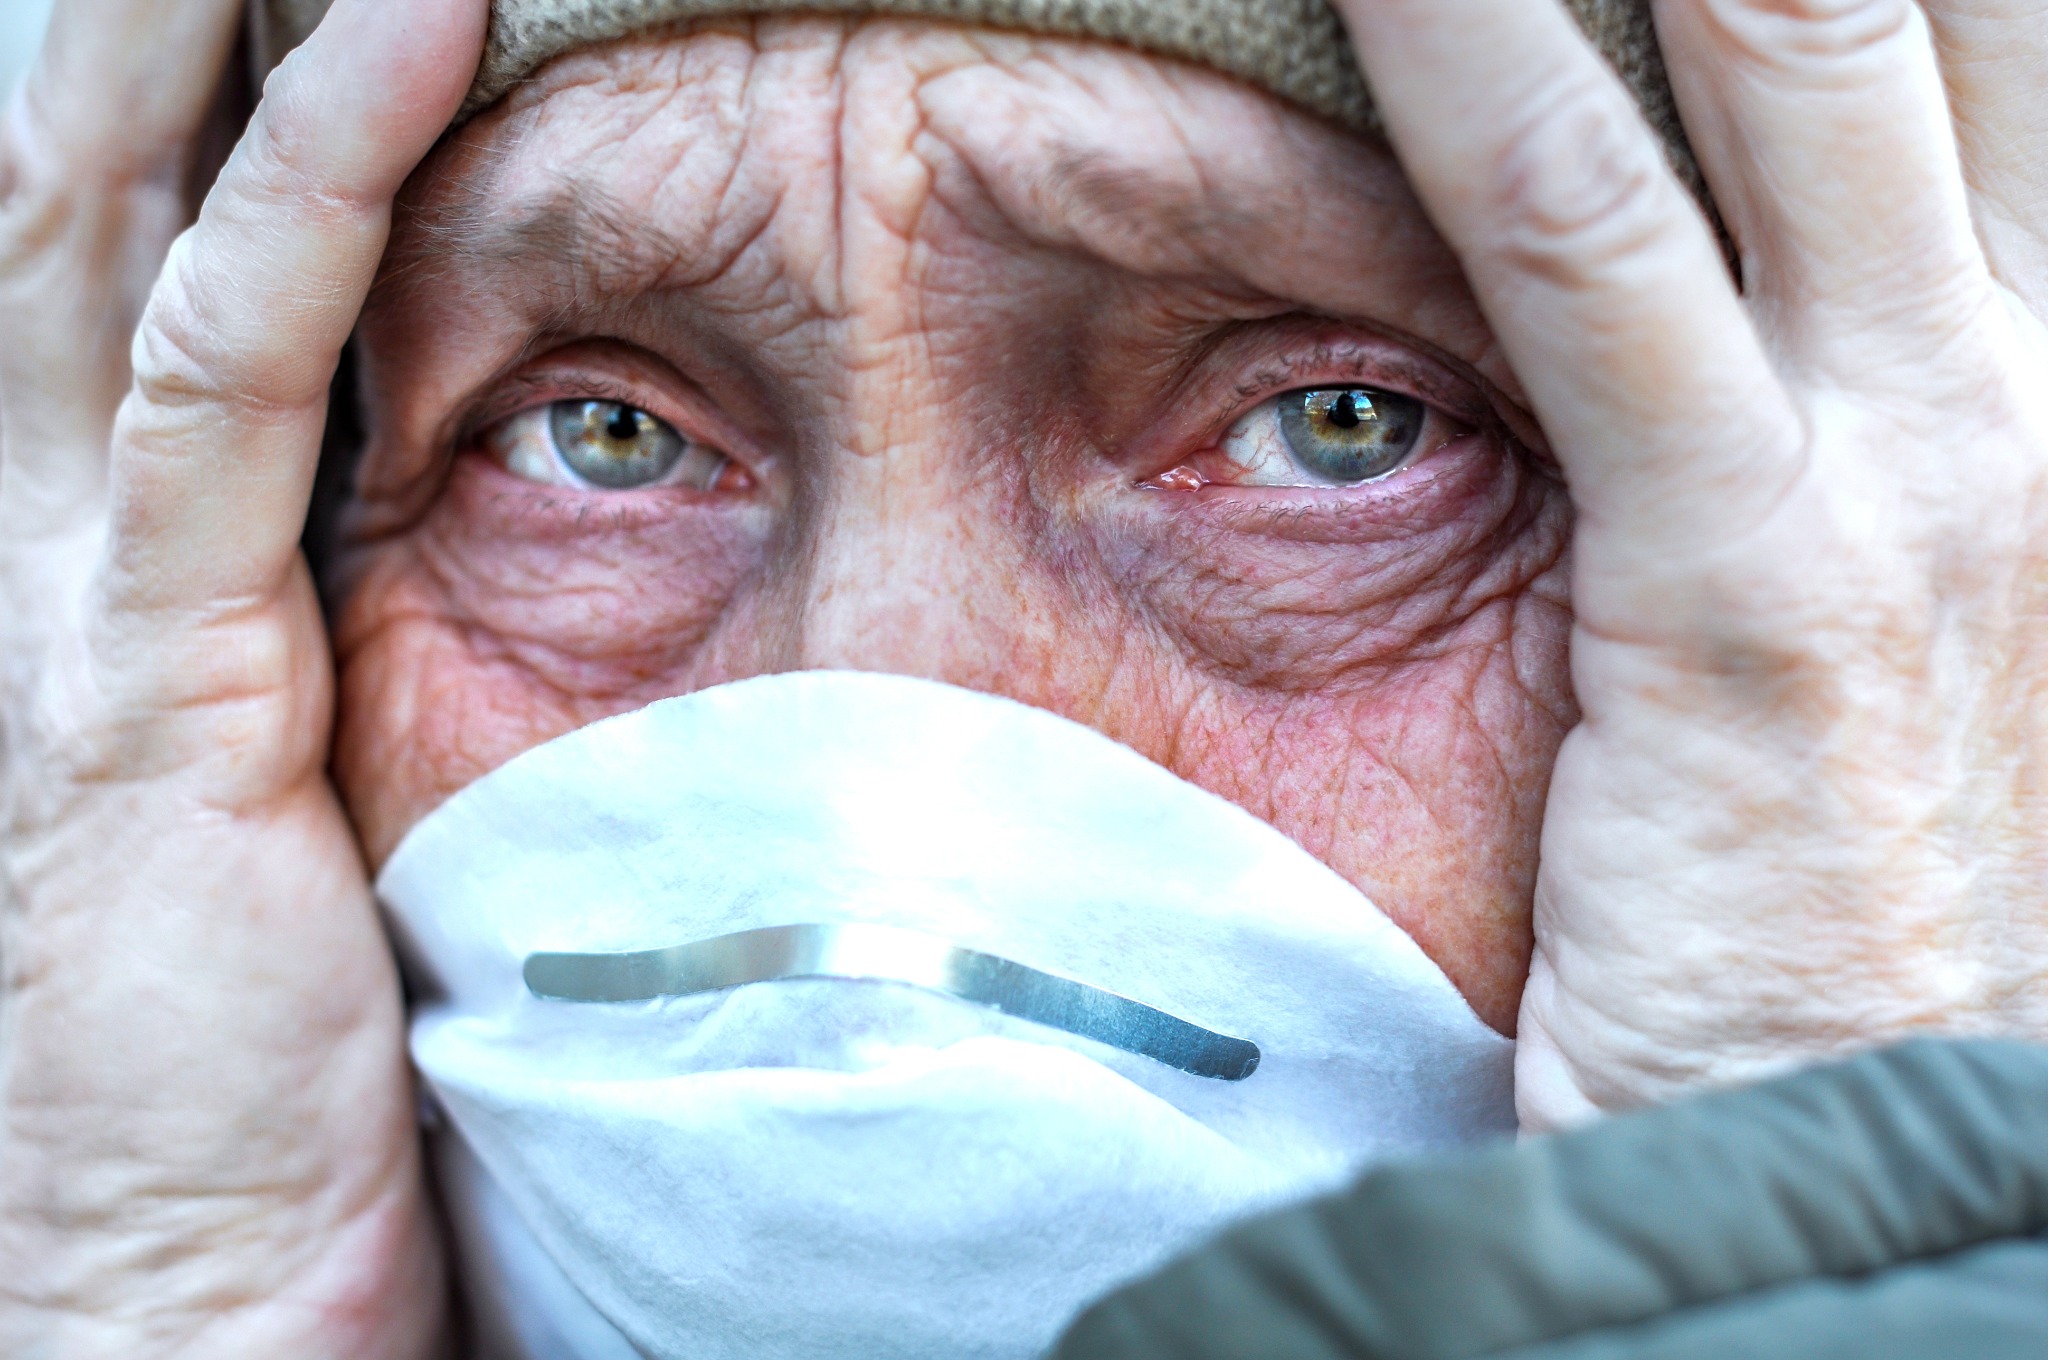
(1296,49)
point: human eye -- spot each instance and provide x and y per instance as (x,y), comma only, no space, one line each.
(601,445)
(1328,437)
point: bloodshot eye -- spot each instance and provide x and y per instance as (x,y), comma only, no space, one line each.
(1318,437)
(1347,435)
(606,446)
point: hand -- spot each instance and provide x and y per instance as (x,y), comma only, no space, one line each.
(207,1119)
(1804,811)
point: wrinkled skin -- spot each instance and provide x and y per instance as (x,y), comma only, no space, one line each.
(947,329)
(952,298)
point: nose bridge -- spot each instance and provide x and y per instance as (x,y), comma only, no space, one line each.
(909,550)
(903,568)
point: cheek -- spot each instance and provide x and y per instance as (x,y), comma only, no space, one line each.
(595,593)
(1283,592)
(1425,788)
(511,615)
(1389,688)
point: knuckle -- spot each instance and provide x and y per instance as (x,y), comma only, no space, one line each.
(52,176)
(186,353)
(54,731)
(1810,34)
(284,158)
(1579,187)
(113,700)
(177,358)
(246,317)
(34,201)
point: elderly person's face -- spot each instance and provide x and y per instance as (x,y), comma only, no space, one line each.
(895,347)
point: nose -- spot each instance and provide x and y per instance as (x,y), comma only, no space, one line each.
(898,564)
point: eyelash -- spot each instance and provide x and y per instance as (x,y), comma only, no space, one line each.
(514,425)
(1342,365)
(1451,410)
(528,445)
(528,392)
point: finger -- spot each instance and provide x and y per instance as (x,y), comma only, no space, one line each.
(1824,129)
(215,448)
(121,85)
(90,198)
(1601,276)
(1994,58)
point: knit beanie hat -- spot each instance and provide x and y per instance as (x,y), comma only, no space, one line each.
(1295,49)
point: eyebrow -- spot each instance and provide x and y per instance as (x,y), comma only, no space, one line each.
(584,242)
(1088,181)
(577,237)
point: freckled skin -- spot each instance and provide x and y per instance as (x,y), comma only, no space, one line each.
(950,297)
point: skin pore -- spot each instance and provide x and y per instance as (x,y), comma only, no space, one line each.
(967,334)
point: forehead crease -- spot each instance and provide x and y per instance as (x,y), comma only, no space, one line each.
(617,192)
(1074,177)
(1153,191)
(1053,164)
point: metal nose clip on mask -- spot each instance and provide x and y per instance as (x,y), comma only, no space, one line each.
(853,1017)
(870,953)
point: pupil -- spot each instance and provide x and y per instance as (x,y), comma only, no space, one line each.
(624,424)
(1344,436)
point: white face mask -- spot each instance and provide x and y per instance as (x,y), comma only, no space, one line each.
(829,1015)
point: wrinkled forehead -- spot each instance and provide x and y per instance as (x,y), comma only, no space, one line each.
(777,185)
(687,142)
(841,204)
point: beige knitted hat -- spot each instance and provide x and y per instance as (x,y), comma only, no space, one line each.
(1293,48)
